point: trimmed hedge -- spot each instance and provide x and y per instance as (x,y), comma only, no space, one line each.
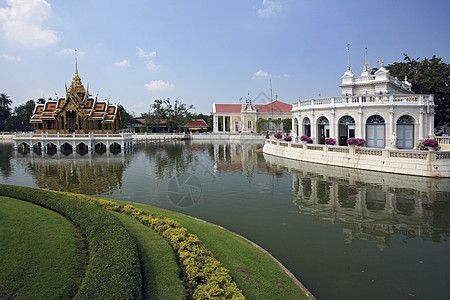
(114,270)
(206,275)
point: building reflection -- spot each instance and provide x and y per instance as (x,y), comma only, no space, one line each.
(90,174)
(370,205)
(230,157)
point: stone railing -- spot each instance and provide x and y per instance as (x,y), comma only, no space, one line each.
(397,99)
(400,161)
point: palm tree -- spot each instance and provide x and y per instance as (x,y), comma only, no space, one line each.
(5,102)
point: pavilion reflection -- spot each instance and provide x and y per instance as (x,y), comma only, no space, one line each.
(370,205)
(90,174)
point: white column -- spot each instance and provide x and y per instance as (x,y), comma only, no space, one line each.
(360,124)
(215,123)
(391,124)
(421,125)
(313,128)
(431,123)
(223,122)
(333,124)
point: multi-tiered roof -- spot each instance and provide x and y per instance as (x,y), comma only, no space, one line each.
(77,98)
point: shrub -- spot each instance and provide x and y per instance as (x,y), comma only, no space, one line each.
(429,143)
(305,138)
(330,141)
(114,270)
(205,274)
(278,135)
(356,141)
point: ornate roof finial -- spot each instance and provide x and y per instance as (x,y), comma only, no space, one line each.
(348,58)
(382,63)
(76,63)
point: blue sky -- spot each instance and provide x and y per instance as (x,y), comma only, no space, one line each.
(203,52)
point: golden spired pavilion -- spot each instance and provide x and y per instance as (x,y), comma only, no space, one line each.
(77,121)
(78,112)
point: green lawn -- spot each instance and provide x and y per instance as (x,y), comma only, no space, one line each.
(41,253)
(161,279)
(256,273)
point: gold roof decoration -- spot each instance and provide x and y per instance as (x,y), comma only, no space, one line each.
(76,86)
(366,67)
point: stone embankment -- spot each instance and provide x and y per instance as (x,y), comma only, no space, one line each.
(409,162)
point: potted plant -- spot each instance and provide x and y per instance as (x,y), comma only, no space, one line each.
(288,138)
(429,144)
(356,142)
(330,141)
(306,139)
(278,135)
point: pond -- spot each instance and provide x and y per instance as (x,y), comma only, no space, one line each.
(346,234)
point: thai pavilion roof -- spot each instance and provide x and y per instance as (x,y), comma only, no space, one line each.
(76,94)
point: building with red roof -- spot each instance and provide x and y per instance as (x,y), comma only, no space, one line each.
(243,117)
(196,125)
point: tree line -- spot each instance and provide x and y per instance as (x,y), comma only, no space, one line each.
(428,76)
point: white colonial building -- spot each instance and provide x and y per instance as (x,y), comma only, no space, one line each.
(379,108)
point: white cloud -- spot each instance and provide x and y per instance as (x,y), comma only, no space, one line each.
(149,65)
(11,58)
(159,85)
(22,22)
(68,51)
(269,8)
(260,74)
(147,55)
(122,64)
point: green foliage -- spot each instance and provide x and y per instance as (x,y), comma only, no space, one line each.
(176,115)
(5,100)
(287,125)
(263,125)
(205,274)
(20,121)
(428,76)
(125,117)
(113,271)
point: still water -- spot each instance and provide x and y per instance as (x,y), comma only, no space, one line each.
(346,234)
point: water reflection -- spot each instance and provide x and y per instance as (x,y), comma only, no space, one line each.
(172,159)
(91,174)
(369,205)
(6,154)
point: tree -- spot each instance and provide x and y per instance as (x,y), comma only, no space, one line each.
(176,115)
(125,116)
(5,111)
(427,76)
(5,100)
(20,120)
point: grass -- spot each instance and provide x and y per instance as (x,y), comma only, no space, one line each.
(41,253)
(161,279)
(255,272)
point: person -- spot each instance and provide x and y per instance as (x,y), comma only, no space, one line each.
(267,135)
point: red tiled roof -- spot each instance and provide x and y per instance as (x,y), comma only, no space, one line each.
(229,108)
(197,123)
(278,107)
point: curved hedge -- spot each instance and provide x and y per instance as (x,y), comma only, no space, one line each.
(208,278)
(113,271)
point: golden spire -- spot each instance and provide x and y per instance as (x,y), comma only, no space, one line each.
(76,86)
(366,68)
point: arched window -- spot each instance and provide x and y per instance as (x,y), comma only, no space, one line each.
(346,129)
(405,132)
(307,127)
(375,132)
(323,126)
